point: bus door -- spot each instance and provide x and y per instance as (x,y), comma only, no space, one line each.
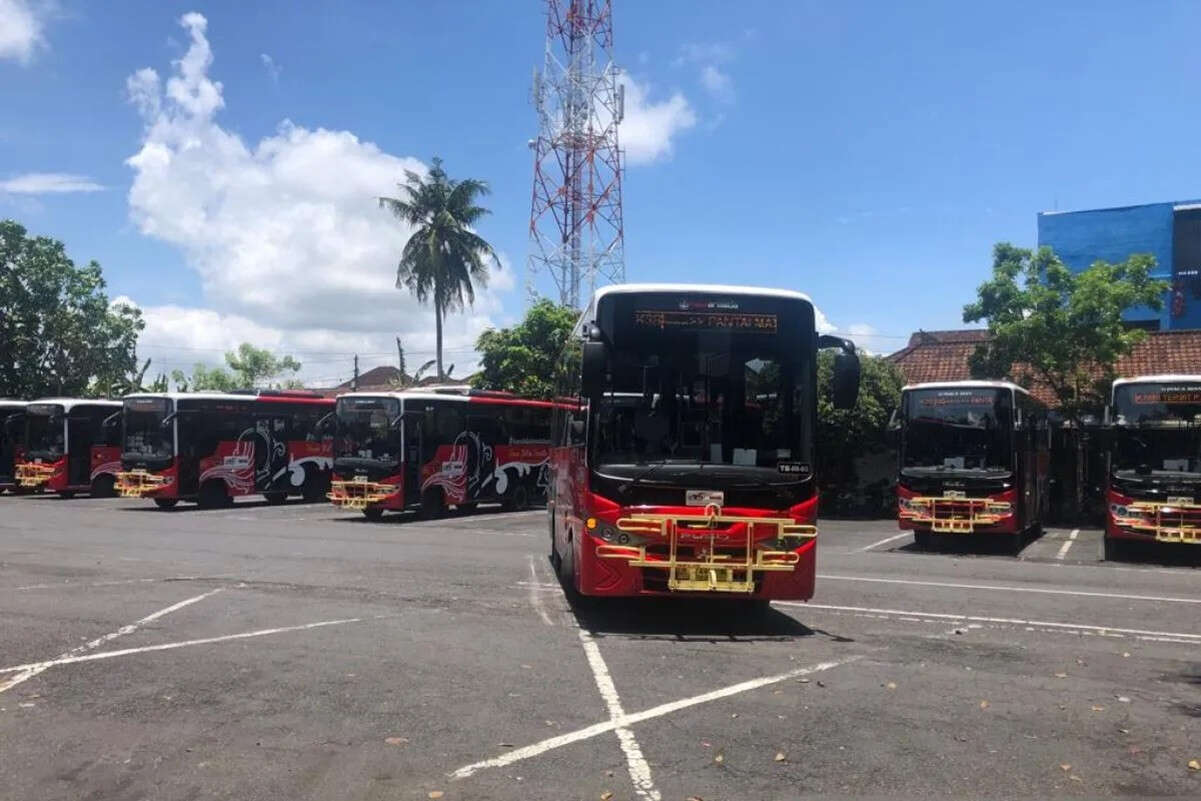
(413,448)
(81,433)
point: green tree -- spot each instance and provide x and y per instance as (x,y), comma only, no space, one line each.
(248,367)
(444,259)
(1062,329)
(522,359)
(134,382)
(846,434)
(59,335)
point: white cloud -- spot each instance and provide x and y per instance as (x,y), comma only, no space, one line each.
(648,130)
(704,53)
(286,235)
(272,68)
(47,183)
(865,336)
(21,23)
(717,83)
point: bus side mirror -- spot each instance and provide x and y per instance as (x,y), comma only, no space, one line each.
(845,386)
(594,363)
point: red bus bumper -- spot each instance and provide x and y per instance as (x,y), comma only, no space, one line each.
(348,492)
(146,484)
(51,476)
(992,514)
(1177,521)
(690,551)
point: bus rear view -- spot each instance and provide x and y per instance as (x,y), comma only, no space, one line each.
(684,443)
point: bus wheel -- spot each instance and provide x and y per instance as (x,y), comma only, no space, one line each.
(104,487)
(275,498)
(213,495)
(433,504)
(314,490)
(1113,550)
(566,568)
(518,499)
(166,503)
(373,513)
(67,495)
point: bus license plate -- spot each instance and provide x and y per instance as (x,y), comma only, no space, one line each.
(704,497)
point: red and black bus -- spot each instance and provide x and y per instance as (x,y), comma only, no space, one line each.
(71,445)
(437,447)
(683,459)
(1154,486)
(974,459)
(213,447)
(12,441)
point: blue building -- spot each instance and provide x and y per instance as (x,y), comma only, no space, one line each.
(1171,232)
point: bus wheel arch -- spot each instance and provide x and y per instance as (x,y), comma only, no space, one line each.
(166,503)
(104,486)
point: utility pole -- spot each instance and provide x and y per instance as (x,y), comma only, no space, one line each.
(354,382)
(400,358)
(576,229)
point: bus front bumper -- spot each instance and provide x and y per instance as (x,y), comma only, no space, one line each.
(1176,521)
(955,515)
(141,483)
(707,554)
(31,475)
(359,493)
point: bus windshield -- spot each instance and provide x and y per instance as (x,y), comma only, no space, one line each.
(45,430)
(1159,429)
(701,400)
(957,429)
(365,429)
(145,434)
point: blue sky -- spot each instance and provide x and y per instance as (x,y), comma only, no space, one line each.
(868,154)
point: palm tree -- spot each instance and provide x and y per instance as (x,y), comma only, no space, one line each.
(444,258)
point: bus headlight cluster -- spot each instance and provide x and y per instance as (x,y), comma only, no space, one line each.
(1120,511)
(913,506)
(1000,508)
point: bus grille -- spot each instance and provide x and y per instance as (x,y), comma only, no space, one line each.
(715,565)
(954,515)
(359,493)
(139,483)
(29,474)
(1169,522)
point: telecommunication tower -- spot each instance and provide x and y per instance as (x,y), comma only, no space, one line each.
(575,218)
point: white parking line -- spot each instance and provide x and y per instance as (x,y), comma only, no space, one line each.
(168,646)
(1047,625)
(27,672)
(551,743)
(884,541)
(1010,588)
(535,598)
(1067,544)
(640,771)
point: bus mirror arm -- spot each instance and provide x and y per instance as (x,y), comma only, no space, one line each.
(845,389)
(167,420)
(108,421)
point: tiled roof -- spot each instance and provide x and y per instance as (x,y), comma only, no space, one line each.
(943,356)
(376,377)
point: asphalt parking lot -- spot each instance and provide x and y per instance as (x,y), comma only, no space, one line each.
(296,651)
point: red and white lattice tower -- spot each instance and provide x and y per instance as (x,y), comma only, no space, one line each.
(575,218)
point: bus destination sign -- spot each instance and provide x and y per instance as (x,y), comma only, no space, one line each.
(696,321)
(1171,396)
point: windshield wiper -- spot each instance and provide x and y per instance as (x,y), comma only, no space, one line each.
(641,476)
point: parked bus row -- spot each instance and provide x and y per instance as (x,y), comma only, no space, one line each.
(974,459)
(676,457)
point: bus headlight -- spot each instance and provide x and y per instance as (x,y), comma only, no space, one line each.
(1002,508)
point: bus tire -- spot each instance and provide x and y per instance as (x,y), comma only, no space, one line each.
(166,503)
(275,498)
(213,495)
(567,570)
(67,495)
(433,504)
(518,499)
(373,513)
(1113,549)
(314,489)
(104,487)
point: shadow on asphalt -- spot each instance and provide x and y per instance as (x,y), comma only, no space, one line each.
(400,518)
(1165,554)
(185,507)
(969,545)
(685,619)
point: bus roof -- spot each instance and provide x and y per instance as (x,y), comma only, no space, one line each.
(968,384)
(461,394)
(70,403)
(1156,379)
(232,396)
(13,403)
(711,289)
